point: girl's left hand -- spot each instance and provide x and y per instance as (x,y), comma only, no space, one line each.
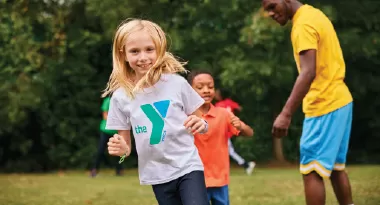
(194,124)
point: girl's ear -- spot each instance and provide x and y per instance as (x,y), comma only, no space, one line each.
(122,53)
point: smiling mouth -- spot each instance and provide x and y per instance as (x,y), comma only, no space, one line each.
(276,17)
(144,66)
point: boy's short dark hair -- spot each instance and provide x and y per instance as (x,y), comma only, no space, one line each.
(195,73)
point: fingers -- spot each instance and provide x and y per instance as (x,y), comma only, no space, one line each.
(115,145)
(118,151)
(114,140)
(198,127)
(187,121)
(233,118)
(115,151)
(279,132)
(194,124)
(118,137)
(275,132)
(283,132)
(235,121)
(191,121)
(236,124)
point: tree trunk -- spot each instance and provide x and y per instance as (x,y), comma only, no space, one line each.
(278,153)
(277,150)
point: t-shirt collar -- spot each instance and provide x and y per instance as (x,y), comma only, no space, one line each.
(299,11)
(211,112)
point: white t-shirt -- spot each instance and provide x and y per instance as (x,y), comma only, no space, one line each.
(165,149)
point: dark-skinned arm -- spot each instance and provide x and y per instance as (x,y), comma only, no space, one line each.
(303,82)
(246,130)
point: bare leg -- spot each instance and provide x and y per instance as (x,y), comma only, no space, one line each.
(314,189)
(342,187)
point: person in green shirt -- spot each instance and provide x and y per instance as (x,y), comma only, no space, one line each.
(104,137)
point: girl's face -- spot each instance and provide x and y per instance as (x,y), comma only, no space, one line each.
(203,84)
(140,52)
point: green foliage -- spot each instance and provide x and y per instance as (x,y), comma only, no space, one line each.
(49,79)
(55,58)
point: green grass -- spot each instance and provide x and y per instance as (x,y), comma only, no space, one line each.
(265,186)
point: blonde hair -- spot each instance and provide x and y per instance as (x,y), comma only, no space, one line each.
(123,75)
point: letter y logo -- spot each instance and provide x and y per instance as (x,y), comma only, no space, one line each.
(156,116)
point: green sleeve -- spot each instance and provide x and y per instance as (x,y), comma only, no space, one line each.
(106,104)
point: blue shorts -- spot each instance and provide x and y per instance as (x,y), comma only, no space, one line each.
(189,189)
(324,142)
(218,195)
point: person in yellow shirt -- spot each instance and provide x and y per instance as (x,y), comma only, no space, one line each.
(327,102)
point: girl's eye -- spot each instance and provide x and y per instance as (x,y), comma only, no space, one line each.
(150,49)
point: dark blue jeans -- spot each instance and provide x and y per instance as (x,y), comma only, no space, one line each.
(100,153)
(189,189)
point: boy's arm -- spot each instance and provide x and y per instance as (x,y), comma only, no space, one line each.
(246,130)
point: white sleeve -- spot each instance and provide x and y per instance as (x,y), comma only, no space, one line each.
(190,98)
(117,119)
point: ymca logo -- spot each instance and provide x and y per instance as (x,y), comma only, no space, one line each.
(156,115)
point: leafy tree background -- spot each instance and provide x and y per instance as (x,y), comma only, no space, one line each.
(55,58)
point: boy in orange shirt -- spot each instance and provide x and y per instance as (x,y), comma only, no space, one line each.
(213,145)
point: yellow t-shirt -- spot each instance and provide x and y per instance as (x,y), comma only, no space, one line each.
(328,92)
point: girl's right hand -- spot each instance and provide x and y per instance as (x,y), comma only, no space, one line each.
(195,124)
(117,146)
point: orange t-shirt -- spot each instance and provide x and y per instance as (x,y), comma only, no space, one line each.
(213,147)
